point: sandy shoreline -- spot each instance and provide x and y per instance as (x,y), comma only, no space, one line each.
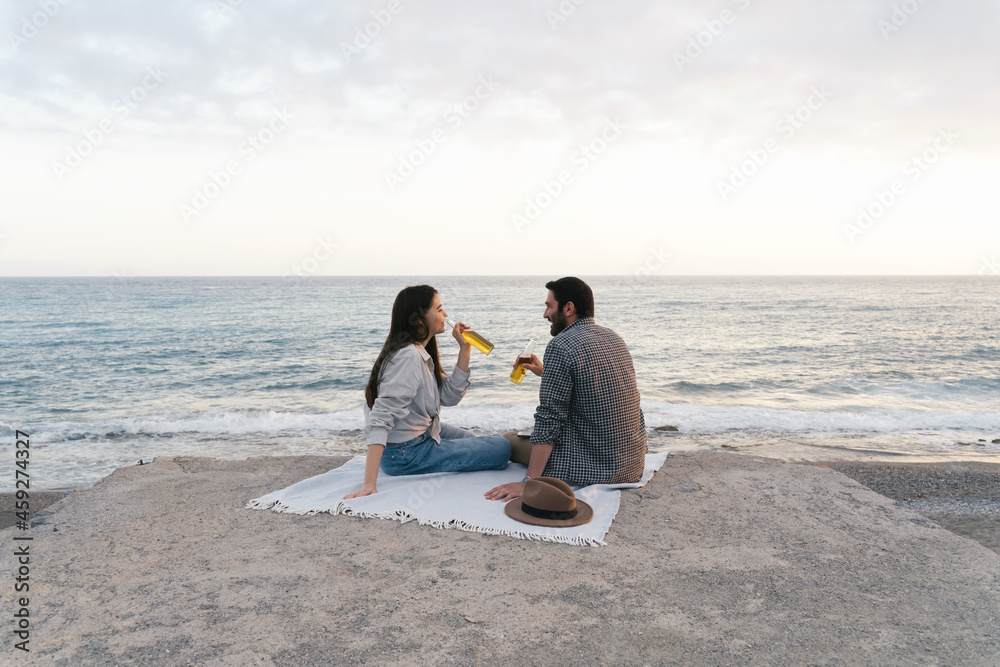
(722,558)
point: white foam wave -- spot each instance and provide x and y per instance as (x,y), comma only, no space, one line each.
(695,418)
(494,418)
(227,424)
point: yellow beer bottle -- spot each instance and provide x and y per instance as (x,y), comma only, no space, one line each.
(517,374)
(473,338)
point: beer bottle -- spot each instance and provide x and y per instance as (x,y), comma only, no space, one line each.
(517,374)
(472,338)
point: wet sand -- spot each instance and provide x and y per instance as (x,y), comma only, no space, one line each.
(721,559)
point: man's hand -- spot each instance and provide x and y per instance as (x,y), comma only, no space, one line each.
(505,492)
(535,365)
(365,490)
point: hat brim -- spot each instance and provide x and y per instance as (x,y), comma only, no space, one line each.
(584,513)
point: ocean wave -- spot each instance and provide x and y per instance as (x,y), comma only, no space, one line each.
(683,386)
(695,418)
(497,418)
(487,418)
(976,388)
(698,418)
(256,423)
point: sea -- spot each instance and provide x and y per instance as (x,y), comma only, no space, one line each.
(105,372)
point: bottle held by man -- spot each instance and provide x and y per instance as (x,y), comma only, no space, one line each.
(517,374)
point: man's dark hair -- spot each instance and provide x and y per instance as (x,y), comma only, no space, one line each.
(575,290)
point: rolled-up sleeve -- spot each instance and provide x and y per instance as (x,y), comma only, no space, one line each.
(454,386)
(395,393)
(553,397)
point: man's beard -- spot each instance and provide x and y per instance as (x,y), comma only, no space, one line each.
(558,323)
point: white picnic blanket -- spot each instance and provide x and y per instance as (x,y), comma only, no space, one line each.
(447,500)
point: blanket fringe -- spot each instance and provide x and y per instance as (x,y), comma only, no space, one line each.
(404,517)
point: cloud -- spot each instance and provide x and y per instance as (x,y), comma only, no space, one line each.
(230,63)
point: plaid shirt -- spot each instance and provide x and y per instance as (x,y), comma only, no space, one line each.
(588,408)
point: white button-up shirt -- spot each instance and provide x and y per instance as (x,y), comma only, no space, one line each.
(409,401)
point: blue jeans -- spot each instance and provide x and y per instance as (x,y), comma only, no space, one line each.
(458,450)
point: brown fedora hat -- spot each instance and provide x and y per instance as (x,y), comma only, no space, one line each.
(548,501)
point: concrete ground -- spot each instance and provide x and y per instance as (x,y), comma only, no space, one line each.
(720,559)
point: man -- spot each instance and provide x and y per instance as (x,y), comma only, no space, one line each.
(589,428)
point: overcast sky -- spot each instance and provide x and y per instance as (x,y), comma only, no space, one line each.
(525,137)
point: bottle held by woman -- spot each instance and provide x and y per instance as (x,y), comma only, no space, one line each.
(476,340)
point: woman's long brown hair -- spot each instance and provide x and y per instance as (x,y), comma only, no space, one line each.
(408,326)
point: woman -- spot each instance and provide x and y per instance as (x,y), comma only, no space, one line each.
(405,393)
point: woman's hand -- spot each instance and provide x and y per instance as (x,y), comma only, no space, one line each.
(365,490)
(463,344)
(372,460)
(535,365)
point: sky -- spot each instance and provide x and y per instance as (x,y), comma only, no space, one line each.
(542,137)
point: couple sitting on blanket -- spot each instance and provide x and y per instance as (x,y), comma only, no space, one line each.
(589,428)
